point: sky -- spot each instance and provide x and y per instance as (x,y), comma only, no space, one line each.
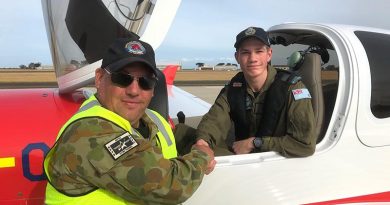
(202,31)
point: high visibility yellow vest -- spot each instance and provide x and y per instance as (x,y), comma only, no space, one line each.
(90,108)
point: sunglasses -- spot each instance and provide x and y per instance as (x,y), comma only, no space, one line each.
(124,80)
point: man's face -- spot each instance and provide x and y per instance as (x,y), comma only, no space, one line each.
(130,101)
(253,56)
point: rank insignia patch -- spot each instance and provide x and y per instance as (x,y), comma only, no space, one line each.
(120,145)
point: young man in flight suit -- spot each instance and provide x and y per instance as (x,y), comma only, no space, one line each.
(270,110)
(116,151)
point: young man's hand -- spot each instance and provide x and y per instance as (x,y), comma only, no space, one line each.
(244,146)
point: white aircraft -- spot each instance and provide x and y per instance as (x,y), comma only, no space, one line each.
(343,66)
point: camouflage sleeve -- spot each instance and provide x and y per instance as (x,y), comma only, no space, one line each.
(300,140)
(215,124)
(141,175)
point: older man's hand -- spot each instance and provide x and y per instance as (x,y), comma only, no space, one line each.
(204,147)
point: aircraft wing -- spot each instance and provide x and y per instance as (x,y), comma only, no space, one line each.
(180,100)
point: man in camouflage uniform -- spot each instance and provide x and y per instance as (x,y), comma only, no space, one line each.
(292,134)
(116,151)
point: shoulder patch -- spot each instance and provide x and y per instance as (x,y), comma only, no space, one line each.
(120,145)
(302,93)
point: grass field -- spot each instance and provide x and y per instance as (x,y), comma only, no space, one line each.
(16,77)
(48,76)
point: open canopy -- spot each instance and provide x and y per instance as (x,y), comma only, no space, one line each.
(79,32)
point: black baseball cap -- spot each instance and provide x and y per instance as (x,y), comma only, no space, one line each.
(125,51)
(256,32)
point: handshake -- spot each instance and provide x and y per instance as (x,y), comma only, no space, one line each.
(204,147)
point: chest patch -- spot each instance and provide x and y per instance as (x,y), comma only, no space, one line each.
(120,145)
(237,84)
(301,94)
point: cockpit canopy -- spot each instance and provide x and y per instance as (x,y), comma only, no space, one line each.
(79,32)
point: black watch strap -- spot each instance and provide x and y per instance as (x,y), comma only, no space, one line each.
(257,142)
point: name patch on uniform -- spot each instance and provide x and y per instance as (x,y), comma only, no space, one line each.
(237,84)
(301,94)
(120,145)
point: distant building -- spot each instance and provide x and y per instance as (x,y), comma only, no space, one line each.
(162,65)
(206,67)
(45,67)
(203,66)
(226,66)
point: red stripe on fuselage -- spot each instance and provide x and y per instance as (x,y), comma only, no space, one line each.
(378,197)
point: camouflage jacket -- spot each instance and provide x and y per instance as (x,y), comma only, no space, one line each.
(295,128)
(80,164)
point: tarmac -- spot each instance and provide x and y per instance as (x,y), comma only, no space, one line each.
(206,93)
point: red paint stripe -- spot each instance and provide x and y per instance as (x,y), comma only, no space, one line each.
(378,197)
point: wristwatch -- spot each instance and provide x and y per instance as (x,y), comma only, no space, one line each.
(257,142)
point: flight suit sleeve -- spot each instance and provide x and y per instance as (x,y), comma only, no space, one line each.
(215,125)
(299,140)
(141,175)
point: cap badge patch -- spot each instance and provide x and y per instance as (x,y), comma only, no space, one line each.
(135,47)
(250,31)
(120,145)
